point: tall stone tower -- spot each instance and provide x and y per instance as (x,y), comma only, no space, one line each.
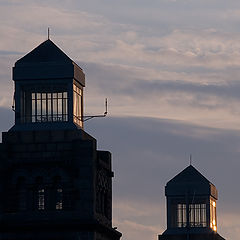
(191,207)
(54,183)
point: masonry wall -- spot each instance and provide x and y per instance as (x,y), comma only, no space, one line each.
(85,173)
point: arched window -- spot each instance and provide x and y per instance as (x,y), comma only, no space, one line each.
(40,194)
(58,193)
(21,194)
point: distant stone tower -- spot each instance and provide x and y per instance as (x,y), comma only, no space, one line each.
(191,207)
(54,183)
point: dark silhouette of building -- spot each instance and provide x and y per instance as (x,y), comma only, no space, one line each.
(54,183)
(191,207)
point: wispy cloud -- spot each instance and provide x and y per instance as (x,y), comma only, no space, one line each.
(166,59)
(160,149)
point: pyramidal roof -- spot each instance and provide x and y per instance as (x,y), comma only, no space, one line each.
(189,174)
(190,181)
(44,53)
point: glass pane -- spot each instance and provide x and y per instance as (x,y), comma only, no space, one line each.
(49,105)
(64,106)
(184,219)
(203,214)
(74,103)
(33,107)
(41,199)
(180,216)
(44,110)
(44,95)
(33,110)
(54,109)
(59,202)
(38,110)
(60,107)
(77,105)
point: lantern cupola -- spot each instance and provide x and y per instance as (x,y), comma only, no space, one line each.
(48,90)
(191,207)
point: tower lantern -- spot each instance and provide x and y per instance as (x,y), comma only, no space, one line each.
(191,207)
(48,90)
(54,182)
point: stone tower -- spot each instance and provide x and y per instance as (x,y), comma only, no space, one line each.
(191,207)
(54,183)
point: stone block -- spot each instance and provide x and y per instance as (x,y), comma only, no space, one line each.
(66,155)
(47,154)
(42,136)
(57,136)
(31,147)
(64,146)
(24,155)
(10,137)
(40,147)
(51,147)
(85,183)
(85,171)
(27,137)
(36,154)
(19,148)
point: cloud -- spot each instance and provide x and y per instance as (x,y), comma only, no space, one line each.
(151,146)
(136,218)
(198,98)
(147,153)
(164,59)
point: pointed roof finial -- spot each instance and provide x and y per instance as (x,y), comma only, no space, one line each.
(190,159)
(48,33)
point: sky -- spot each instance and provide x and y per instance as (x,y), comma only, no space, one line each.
(170,70)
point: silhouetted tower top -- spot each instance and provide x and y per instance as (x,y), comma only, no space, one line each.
(45,52)
(54,182)
(48,90)
(190,181)
(191,207)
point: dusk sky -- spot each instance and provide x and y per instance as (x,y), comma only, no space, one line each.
(171,72)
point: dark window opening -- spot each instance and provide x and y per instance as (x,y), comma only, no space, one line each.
(44,107)
(41,199)
(39,194)
(195,213)
(58,193)
(181,215)
(59,201)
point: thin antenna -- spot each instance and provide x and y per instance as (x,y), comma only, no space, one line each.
(86,118)
(106,107)
(190,159)
(48,33)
